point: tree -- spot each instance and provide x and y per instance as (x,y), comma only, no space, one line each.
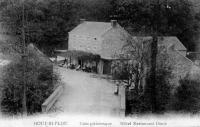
(134,70)
(129,68)
(47,22)
(187,96)
(162,87)
(40,83)
(50,21)
(158,18)
(176,18)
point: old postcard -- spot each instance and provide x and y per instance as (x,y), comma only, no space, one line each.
(99,63)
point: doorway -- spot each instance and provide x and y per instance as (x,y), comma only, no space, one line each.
(107,67)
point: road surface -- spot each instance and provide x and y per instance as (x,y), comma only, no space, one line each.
(86,93)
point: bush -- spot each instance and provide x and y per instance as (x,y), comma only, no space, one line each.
(187,96)
(158,95)
(143,102)
(163,89)
(39,83)
(136,103)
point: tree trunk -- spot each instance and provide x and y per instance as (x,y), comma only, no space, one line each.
(137,80)
(153,72)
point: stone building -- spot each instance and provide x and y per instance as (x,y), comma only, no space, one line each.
(174,51)
(181,65)
(105,39)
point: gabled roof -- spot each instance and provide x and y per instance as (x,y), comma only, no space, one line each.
(35,53)
(172,40)
(167,41)
(91,28)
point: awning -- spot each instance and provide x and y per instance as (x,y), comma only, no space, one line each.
(78,54)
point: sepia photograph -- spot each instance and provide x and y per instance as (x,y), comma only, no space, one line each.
(99,63)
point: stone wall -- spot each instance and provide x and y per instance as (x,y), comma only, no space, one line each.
(113,42)
(107,45)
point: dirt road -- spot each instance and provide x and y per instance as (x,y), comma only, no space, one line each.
(86,93)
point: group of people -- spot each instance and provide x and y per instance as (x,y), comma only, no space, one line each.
(85,67)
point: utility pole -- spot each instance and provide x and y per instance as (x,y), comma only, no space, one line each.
(24,56)
(154,50)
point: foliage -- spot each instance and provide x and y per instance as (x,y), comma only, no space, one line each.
(164,85)
(48,22)
(39,82)
(174,18)
(130,67)
(120,70)
(139,97)
(187,96)
(163,88)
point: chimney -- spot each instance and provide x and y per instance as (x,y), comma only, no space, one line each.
(82,21)
(113,23)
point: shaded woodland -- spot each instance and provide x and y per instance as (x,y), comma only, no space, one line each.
(49,21)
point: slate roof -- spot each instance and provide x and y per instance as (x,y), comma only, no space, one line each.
(91,28)
(35,53)
(96,29)
(167,41)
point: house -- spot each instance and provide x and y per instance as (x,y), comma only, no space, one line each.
(38,56)
(171,45)
(180,64)
(105,39)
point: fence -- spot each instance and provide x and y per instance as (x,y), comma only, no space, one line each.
(50,101)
